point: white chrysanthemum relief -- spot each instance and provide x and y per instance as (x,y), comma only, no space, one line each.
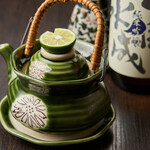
(30,110)
(38,69)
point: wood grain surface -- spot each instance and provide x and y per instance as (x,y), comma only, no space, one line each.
(131,129)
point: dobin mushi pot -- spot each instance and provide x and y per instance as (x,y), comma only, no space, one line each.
(74,107)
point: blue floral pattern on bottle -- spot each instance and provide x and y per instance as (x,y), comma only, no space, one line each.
(138,26)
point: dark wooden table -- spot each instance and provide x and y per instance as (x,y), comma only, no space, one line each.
(131,129)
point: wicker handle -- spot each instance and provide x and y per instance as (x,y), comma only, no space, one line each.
(98,46)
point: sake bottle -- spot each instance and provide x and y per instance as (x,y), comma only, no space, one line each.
(129,44)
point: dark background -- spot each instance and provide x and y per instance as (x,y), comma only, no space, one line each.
(131,129)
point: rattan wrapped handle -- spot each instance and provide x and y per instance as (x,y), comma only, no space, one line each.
(99,40)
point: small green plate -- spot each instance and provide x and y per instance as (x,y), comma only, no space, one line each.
(4,116)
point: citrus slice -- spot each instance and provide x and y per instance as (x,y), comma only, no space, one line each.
(59,42)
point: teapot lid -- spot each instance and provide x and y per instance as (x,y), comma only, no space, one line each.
(57,60)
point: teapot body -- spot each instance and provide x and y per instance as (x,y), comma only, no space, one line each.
(56,106)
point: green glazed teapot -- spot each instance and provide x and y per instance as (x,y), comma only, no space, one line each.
(65,107)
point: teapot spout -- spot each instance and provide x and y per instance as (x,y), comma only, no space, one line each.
(6,51)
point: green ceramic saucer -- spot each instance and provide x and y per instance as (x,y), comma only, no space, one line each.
(7,124)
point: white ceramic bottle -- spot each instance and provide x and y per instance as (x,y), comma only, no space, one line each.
(83,22)
(129,44)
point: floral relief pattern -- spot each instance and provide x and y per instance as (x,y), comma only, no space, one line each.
(30,110)
(38,69)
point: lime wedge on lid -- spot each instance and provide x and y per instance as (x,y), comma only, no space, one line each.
(59,42)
